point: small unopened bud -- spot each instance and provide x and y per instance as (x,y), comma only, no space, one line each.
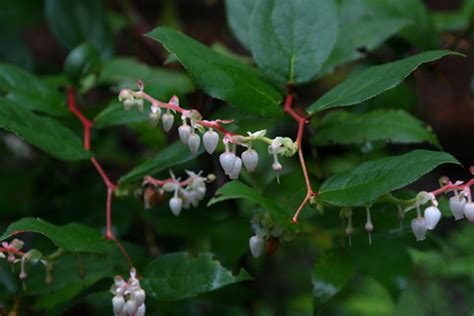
(149,197)
(276,166)
(250,159)
(128,104)
(184,132)
(457,204)
(236,169)
(167,119)
(176,204)
(211,178)
(23,275)
(154,115)
(469,211)
(419,228)
(210,140)
(194,141)
(139,104)
(256,244)
(432,216)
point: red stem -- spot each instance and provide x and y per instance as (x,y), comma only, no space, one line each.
(12,250)
(451,187)
(157,182)
(111,186)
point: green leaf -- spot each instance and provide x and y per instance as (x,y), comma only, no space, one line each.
(374,80)
(114,114)
(159,83)
(30,92)
(71,237)
(331,273)
(178,276)
(361,26)
(220,76)
(43,132)
(239,190)
(238,16)
(76,21)
(292,39)
(395,126)
(81,61)
(370,180)
(172,155)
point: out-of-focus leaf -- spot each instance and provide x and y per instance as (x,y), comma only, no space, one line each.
(368,83)
(81,61)
(290,40)
(76,21)
(30,92)
(71,237)
(43,132)
(178,276)
(159,83)
(172,155)
(454,20)
(114,114)
(393,126)
(17,51)
(370,180)
(20,14)
(238,16)
(361,26)
(221,77)
(331,273)
(238,190)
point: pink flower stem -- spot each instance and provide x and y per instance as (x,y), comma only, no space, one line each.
(452,187)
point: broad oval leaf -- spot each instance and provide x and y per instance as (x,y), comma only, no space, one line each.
(239,190)
(220,76)
(238,16)
(291,40)
(372,179)
(372,81)
(174,154)
(40,131)
(71,237)
(395,126)
(30,92)
(77,21)
(178,276)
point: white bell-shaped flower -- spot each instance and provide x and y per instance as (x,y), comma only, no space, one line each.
(469,211)
(154,115)
(419,228)
(432,216)
(141,310)
(210,140)
(176,205)
(227,160)
(250,159)
(256,244)
(456,205)
(118,304)
(167,120)
(194,141)
(139,296)
(234,174)
(140,105)
(131,307)
(184,132)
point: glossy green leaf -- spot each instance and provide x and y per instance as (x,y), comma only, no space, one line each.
(76,21)
(291,40)
(172,155)
(331,273)
(394,126)
(71,237)
(40,131)
(239,190)
(221,77)
(178,276)
(370,180)
(372,81)
(361,26)
(160,83)
(30,92)
(238,16)
(114,114)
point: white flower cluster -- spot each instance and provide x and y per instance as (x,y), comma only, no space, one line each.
(129,297)
(460,205)
(264,229)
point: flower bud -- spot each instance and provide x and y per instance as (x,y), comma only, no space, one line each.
(277,166)
(141,310)
(127,104)
(227,160)
(210,140)
(369,227)
(139,104)
(432,216)
(457,204)
(193,143)
(419,228)
(154,115)
(167,119)
(139,296)
(118,303)
(250,159)
(469,211)
(184,132)
(131,307)
(234,174)
(176,204)
(256,246)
